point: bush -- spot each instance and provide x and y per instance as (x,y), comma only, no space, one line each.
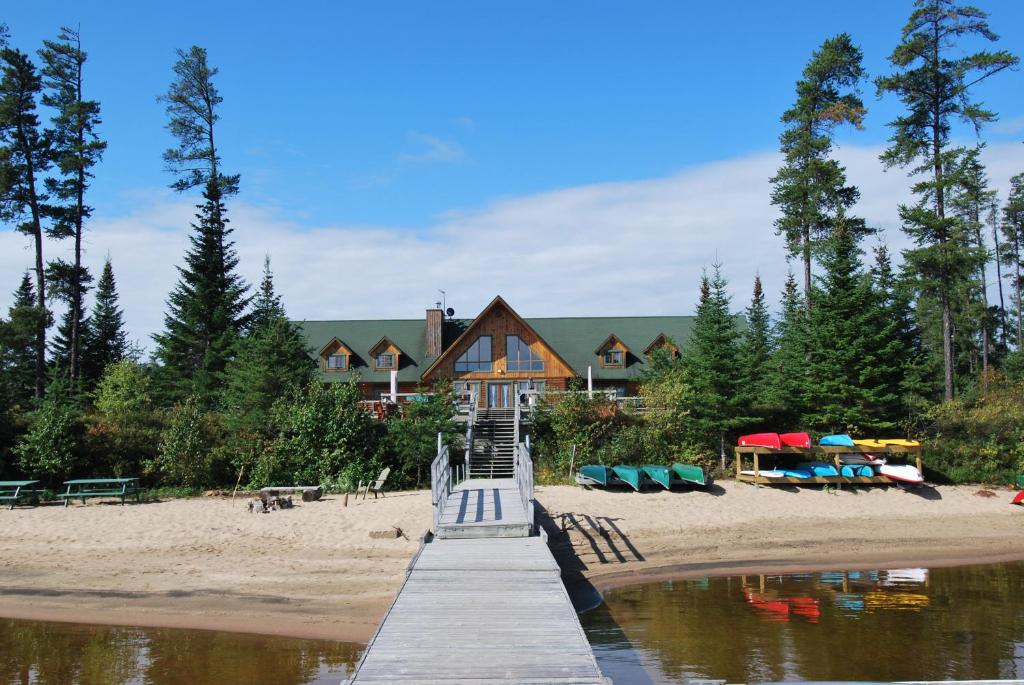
(50,449)
(186,457)
(124,432)
(411,441)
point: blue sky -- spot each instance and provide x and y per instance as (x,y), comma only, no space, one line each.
(408,116)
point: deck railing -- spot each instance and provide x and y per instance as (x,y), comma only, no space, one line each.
(524,478)
(440,479)
(470,421)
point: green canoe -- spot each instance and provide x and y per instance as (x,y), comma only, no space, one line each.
(693,475)
(595,474)
(662,475)
(631,475)
(1020,481)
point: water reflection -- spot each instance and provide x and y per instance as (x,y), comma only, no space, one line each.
(899,624)
(62,653)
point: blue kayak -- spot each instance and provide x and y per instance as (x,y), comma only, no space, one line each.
(841,440)
(819,468)
(796,473)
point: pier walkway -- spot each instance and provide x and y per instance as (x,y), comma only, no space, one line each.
(483,602)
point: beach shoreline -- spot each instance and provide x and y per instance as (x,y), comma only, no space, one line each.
(314,572)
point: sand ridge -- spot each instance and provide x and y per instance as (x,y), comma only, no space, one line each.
(314,571)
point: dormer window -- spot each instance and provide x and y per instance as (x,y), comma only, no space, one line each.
(385,355)
(612,353)
(477,357)
(337,361)
(335,356)
(385,360)
(613,358)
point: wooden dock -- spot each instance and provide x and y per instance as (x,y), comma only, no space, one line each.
(485,610)
(483,601)
(485,508)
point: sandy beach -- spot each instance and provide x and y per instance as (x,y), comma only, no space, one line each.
(315,571)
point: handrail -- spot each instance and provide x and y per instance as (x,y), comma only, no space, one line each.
(470,423)
(524,478)
(440,480)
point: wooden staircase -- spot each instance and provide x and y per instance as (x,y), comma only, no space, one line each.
(493,452)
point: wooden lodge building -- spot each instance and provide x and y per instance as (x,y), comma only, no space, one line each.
(498,353)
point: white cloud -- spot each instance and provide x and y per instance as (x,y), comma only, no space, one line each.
(621,248)
(1009,126)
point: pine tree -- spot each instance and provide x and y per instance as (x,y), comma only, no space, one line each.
(848,346)
(970,196)
(756,353)
(106,341)
(24,159)
(75,149)
(711,364)
(18,342)
(206,310)
(787,372)
(270,361)
(811,187)
(1013,232)
(933,80)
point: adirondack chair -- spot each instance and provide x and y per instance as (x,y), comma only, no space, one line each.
(376,486)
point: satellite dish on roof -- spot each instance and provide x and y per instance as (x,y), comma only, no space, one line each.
(450,312)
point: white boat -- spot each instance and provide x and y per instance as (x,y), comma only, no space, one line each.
(902,473)
(765,473)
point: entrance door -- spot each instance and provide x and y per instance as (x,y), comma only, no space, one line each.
(499,395)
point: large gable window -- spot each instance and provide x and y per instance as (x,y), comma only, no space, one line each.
(477,357)
(521,356)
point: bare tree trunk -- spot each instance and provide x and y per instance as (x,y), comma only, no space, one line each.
(940,211)
(994,218)
(807,266)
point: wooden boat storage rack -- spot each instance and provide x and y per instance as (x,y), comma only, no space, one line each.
(821,453)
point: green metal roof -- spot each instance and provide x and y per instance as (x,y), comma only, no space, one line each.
(573,338)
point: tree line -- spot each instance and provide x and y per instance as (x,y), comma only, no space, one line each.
(927,347)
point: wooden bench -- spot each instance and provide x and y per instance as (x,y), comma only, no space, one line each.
(101,487)
(310,493)
(17,490)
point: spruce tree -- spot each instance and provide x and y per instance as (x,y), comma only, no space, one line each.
(1013,233)
(933,80)
(205,311)
(270,361)
(18,342)
(106,341)
(24,159)
(787,371)
(755,354)
(849,344)
(76,149)
(711,365)
(810,187)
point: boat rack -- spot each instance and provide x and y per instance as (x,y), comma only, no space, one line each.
(820,451)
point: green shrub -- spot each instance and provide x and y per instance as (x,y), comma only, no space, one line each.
(186,455)
(50,449)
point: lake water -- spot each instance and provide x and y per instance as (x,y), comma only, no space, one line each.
(63,653)
(906,624)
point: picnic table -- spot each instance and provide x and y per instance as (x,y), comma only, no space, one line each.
(101,487)
(15,490)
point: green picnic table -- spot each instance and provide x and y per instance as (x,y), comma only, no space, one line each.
(15,490)
(101,487)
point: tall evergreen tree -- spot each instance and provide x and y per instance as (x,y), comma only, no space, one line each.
(711,364)
(269,362)
(106,341)
(849,344)
(970,197)
(756,352)
(788,374)
(1013,232)
(810,187)
(206,310)
(933,81)
(18,340)
(76,149)
(24,159)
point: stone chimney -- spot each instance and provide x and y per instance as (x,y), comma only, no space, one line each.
(435,327)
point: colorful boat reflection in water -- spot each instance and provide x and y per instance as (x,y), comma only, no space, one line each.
(885,625)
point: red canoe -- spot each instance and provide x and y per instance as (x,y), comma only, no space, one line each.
(760,440)
(1018,498)
(796,440)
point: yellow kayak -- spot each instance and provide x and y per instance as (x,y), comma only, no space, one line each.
(869,443)
(900,442)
